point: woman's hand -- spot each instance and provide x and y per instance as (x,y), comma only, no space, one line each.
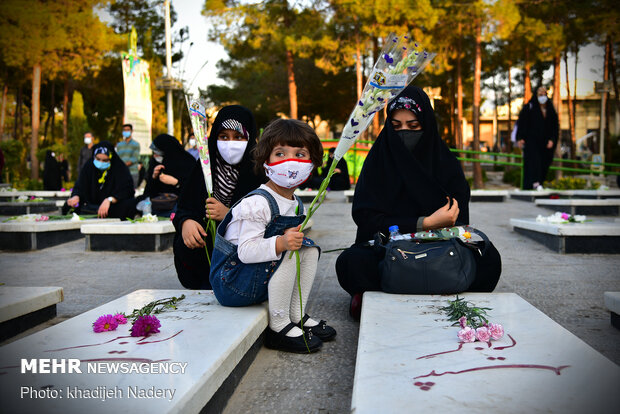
(168,179)
(193,234)
(157,171)
(215,210)
(103,208)
(444,217)
(73,201)
(291,240)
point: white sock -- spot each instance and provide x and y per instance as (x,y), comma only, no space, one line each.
(279,290)
(309,258)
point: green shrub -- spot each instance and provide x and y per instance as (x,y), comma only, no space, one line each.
(512,177)
(571,183)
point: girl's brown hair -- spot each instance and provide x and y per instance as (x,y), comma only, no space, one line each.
(289,132)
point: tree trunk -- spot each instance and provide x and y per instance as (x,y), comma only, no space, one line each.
(460,144)
(50,113)
(527,87)
(34,143)
(570,104)
(292,86)
(612,61)
(607,143)
(557,102)
(478,183)
(5,91)
(66,106)
(452,88)
(19,115)
(509,142)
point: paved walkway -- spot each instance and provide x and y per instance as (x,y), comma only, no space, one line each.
(568,288)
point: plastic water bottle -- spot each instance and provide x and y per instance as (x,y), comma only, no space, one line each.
(147,207)
(395,233)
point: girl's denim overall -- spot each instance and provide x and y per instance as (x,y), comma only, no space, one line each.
(242,284)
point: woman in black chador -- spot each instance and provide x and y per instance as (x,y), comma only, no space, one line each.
(231,141)
(537,134)
(52,174)
(412,180)
(104,186)
(169,169)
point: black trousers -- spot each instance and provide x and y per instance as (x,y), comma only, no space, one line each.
(192,265)
(358,269)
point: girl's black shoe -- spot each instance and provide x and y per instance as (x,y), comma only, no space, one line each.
(296,344)
(322,330)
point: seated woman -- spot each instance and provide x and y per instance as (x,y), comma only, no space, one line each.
(169,168)
(410,179)
(231,141)
(104,186)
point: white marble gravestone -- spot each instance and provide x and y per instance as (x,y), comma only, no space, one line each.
(210,339)
(597,207)
(488,195)
(14,208)
(597,236)
(306,195)
(612,302)
(349,195)
(29,235)
(21,308)
(51,195)
(409,359)
(126,235)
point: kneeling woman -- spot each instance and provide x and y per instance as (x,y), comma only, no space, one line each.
(104,186)
(410,179)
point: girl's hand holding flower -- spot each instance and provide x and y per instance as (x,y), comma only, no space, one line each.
(291,240)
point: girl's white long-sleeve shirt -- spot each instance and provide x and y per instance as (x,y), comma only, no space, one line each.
(247,228)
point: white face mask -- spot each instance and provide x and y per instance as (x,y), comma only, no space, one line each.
(87,140)
(289,173)
(542,99)
(192,142)
(159,158)
(232,151)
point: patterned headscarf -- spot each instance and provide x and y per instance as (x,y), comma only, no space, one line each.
(235,125)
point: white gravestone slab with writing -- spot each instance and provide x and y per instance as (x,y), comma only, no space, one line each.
(409,359)
(199,344)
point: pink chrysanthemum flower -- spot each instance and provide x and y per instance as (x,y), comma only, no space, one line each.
(496,330)
(565,216)
(105,323)
(171,216)
(120,318)
(463,321)
(145,325)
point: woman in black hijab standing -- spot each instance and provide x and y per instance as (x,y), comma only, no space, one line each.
(537,134)
(104,186)
(52,174)
(231,141)
(169,169)
(409,179)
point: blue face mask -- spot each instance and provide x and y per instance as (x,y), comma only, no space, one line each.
(101,165)
(126,134)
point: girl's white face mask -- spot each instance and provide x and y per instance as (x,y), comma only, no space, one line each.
(289,173)
(232,151)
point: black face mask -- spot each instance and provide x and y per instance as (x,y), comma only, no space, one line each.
(410,138)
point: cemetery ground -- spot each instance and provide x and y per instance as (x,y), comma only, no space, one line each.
(566,287)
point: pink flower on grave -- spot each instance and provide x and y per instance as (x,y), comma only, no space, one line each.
(565,216)
(171,216)
(496,330)
(467,334)
(42,218)
(105,323)
(120,318)
(63,189)
(482,334)
(145,325)
(463,321)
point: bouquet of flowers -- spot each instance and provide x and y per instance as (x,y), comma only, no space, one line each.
(198,118)
(473,321)
(561,218)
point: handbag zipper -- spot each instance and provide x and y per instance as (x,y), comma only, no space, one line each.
(404,255)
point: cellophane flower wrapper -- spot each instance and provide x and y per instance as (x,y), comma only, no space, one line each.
(198,118)
(400,61)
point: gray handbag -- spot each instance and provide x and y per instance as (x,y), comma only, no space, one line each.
(430,267)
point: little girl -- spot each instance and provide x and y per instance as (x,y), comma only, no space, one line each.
(251,261)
